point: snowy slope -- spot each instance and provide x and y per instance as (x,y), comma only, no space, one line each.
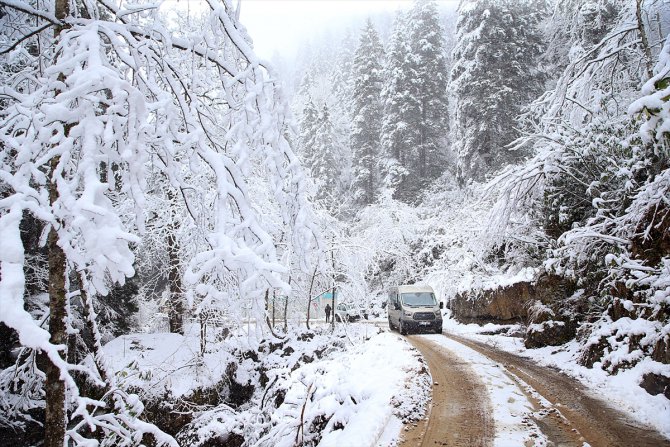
(355,386)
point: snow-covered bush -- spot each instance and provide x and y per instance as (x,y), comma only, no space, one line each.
(313,387)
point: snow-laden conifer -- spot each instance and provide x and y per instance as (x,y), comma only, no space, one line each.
(367,115)
(495,74)
(395,94)
(428,90)
(415,124)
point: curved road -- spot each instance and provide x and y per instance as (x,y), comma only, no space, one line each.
(460,413)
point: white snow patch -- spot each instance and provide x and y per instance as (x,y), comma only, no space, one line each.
(164,362)
(367,390)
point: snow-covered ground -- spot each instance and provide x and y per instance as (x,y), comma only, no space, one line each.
(368,390)
(357,386)
(362,388)
(621,390)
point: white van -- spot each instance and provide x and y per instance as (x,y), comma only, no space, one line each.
(414,308)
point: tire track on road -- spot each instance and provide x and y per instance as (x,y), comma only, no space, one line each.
(600,424)
(460,413)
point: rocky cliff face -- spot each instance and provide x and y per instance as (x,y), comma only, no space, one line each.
(503,304)
(539,304)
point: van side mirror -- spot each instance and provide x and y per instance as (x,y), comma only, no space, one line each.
(396,306)
(441,304)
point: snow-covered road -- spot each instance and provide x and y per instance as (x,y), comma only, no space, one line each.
(530,405)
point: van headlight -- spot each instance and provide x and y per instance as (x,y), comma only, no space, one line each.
(407,313)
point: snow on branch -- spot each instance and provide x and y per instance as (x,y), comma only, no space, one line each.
(79,141)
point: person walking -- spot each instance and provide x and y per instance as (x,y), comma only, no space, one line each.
(328,309)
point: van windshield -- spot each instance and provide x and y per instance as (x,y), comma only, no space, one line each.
(419,299)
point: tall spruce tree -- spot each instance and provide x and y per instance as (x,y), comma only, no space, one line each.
(367,114)
(396,99)
(429,90)
(324,167)
(495,74)
(415,125)
(309,126)
(342,71)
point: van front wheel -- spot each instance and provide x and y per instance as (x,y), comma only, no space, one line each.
(401,328)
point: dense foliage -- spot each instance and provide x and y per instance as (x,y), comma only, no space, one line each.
(148,182)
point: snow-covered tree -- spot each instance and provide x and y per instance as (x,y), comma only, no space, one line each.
(309,126)
(324,164)
(343,68)
(327,81)
(395,94)
(428,90)
(494,75)
(415,124)
(367,113)
(575,25)
(112,90)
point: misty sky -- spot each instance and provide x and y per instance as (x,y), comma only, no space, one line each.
(282,25)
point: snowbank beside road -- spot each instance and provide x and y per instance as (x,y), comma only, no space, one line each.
(355,386)
(354,396)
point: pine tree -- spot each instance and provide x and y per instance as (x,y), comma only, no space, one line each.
(327,82)
(494,75)
(429,89)
(366,126)
(324,166)
(415,99)
(396,98)
(342,73)
(308,130)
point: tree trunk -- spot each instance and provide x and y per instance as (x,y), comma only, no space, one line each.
(332,260)
(54,424)
(309,296)
(267,310)
(203,332)
(423,156)
(286,310)
(176,299)
(267,316)
(55,415)
(643,39)
(274,302)
(371,183)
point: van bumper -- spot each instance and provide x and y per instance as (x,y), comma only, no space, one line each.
(421,326)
